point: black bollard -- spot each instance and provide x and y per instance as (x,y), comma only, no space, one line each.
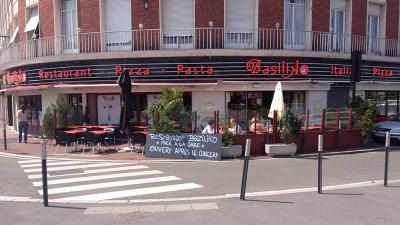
(387,146)
(245,169)
(320,149)
(44,173)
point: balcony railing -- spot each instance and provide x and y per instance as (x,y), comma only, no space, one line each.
(199,38)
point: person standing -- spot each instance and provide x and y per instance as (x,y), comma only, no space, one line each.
(22,116)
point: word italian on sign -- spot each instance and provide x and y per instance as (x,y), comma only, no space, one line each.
(183,146)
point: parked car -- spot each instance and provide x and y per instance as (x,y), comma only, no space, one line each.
(380,129)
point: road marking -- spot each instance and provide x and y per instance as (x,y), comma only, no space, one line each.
(133,192)
(75,167)
(35,161)
(109,185)
(99,177)
(52,163)
(114,169)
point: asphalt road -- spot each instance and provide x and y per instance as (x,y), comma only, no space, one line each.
(360,205)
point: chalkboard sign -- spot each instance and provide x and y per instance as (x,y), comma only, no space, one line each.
(183,146)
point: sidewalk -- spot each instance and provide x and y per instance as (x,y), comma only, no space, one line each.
(33,148)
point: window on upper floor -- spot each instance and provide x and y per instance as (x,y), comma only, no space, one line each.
(295,26)
(32,23)
(375,28)
(118,25)
(177,19)
(240,23)
(340,24)
(69,27)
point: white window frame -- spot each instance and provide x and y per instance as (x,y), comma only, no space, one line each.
(290,34)
(74,38)
(337,39)
(373,42)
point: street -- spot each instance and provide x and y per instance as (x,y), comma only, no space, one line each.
(279,191)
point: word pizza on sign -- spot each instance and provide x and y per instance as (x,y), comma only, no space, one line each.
(284,69)
(16,76)
(340,70)
(86,72)
(194,70)
(133,71)
(377,71)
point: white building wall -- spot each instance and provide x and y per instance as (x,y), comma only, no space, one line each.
(316,101)
(205,103)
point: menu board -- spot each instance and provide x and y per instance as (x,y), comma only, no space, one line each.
(183,146)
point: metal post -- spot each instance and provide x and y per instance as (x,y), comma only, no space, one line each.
(44,173)
(387,146)
(245,169)
(4,123)
(320,149)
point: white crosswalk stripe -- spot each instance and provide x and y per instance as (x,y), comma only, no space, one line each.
(37,176)
(76,180)
(74,167)
(52,164)
(133,192)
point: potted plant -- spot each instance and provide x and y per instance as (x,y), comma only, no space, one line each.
(229,150)
(166,114)
(290,126)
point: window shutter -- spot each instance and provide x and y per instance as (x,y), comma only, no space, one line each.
(240,14)
(177,14)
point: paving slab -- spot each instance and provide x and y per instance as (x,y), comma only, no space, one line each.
(152,208)
(98,210)
(178,207)
(118,210)
(204,206)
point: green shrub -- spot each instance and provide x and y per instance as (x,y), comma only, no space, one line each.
(290,126)
(367,121)
(48,125)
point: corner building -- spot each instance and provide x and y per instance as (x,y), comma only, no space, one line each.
(226,54)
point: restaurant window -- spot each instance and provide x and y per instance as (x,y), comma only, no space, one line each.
(387,103)
(245,105)
(76,114)
(33,104)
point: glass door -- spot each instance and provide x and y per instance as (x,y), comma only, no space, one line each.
(69,39)
(372,34)
(295,35)
(337,29)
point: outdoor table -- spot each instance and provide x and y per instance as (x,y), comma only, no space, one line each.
(74,131)
(99,132)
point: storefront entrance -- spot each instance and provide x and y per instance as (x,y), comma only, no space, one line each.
(33,104)
(108,109)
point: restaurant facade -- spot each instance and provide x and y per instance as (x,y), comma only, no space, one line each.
(227,55)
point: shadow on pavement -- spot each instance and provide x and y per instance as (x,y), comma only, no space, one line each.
(65,207)
(267,201)
(330,193)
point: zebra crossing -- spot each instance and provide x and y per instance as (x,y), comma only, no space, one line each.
(73,180)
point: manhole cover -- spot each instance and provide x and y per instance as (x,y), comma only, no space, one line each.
(65,172)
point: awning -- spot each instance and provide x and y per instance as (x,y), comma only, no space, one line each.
(27,88)
(14,35)
(33,20)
